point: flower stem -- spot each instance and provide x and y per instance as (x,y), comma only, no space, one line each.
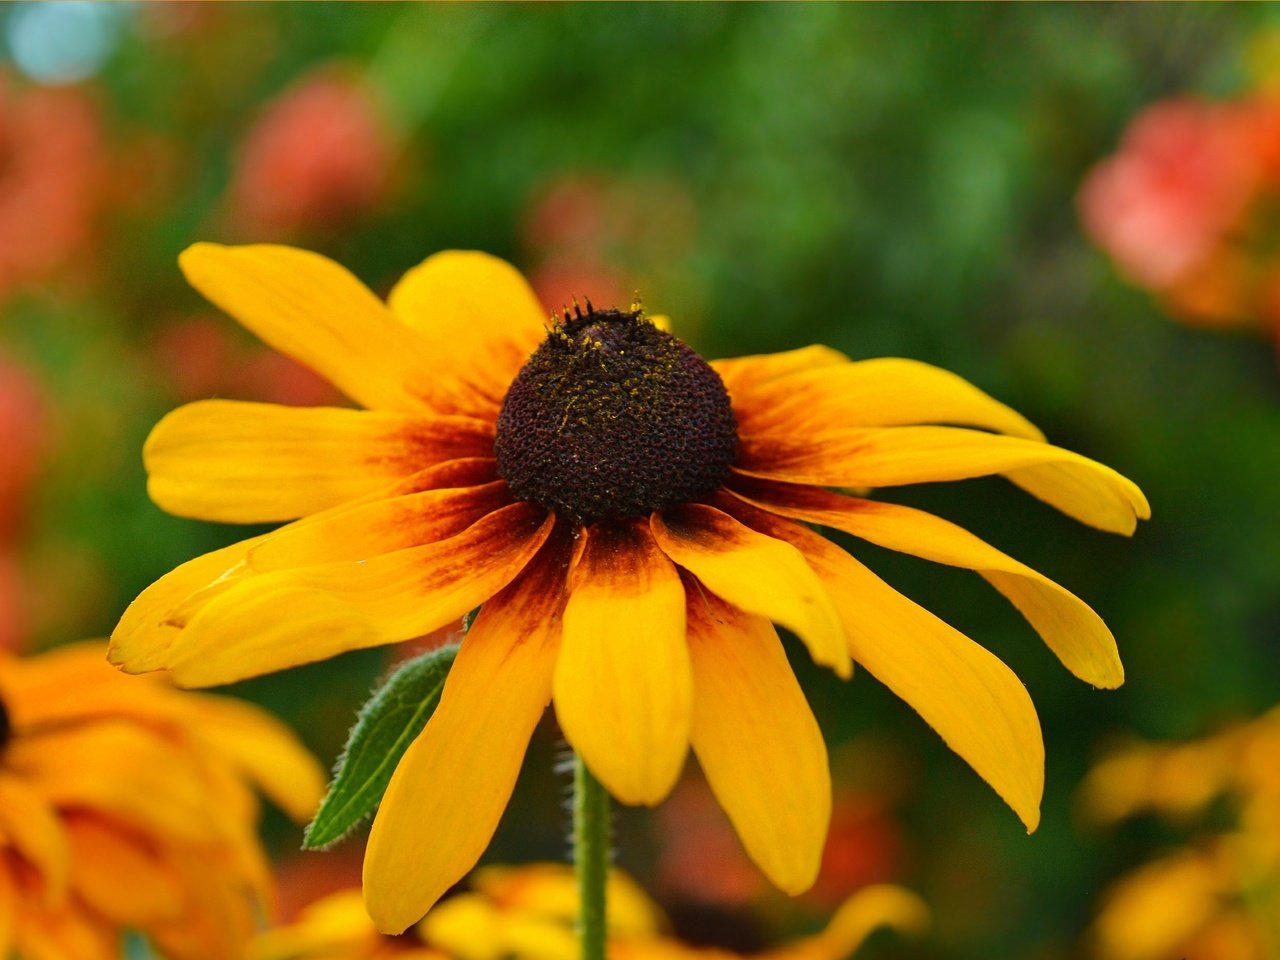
(590,857)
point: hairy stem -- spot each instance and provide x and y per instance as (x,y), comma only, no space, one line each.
(590,857)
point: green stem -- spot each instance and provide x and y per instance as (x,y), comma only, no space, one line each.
(590,857)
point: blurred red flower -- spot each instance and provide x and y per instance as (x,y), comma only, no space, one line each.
(317,157)
(23,429)
(1186,207)
(52,162)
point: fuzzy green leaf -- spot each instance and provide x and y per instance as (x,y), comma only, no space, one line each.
(385,727)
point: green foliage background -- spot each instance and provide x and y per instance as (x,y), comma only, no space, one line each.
(890,180)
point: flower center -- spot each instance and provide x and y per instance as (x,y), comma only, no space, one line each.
(612,417)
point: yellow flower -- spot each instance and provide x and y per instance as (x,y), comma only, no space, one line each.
(528,913)
(127,805)
(633,521)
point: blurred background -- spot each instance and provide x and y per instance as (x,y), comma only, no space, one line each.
(889,180)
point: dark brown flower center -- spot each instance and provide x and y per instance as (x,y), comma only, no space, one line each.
(612,417)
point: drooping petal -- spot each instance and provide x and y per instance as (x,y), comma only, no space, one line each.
(449,791)
(289,617)
(756,573)
(976,703)
(885,392)
(240,462)
(892,456)
(623,686)
(742,376)
(1068,625)
(141,640)
(314,310)
(477,314)
(757,740)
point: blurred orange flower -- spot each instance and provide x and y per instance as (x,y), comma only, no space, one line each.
(318,156)
(127,805)
(528,913)
(51,179)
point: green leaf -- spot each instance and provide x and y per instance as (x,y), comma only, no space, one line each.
(385,727)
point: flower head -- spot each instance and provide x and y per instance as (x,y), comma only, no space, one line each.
(128,805)
(631,521)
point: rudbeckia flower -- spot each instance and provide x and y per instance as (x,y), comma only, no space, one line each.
(128,805)
(528,913)
(631,520)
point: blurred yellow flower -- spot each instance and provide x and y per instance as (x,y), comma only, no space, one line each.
(633,520)
(128,805)
(528,913)
(1219,897)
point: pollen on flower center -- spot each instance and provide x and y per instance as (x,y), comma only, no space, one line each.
(612,417)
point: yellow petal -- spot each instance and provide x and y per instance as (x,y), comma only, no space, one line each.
(1155,910)
(885,392)
(56,933)
(314,310)
(551,890)
(477,314)
(754,572)
(120,769)
(31,827)
(892,456)
(879,905)
(757,741)
(264,749)
(623,688)
(288,617)
(433,825)
(1068,625)
(142,640)
(976,703)
(240,462)
(116,875)
(368,530)
(742,376)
